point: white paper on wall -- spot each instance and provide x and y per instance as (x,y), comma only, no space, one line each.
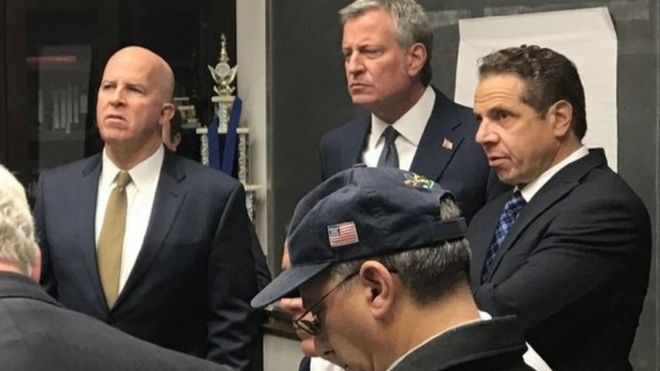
(586,36)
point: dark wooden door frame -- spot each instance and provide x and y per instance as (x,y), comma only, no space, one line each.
(15,83)
(3,89)
(14,141)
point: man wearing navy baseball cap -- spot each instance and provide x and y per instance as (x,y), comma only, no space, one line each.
(381,262)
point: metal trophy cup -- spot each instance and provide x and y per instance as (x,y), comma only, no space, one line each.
(223,75)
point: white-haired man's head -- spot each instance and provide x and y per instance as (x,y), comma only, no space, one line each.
(18,248)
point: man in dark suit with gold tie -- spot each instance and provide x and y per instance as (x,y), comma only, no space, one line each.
(36,333)
(154,244)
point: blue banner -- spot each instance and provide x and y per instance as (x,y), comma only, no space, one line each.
(229,153)
(214,145)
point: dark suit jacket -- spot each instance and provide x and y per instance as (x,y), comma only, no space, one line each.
(574,266)
(194,277)
(495,344)
(463,169)
(305,364)
(37,334)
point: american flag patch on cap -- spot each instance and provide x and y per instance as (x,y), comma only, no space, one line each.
(342,234)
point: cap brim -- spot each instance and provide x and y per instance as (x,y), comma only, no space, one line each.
(286,282)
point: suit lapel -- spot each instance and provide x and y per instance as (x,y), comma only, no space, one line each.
(87,193)
(353,145)
(441,139)
(167,202)
(539,204)
(552,192)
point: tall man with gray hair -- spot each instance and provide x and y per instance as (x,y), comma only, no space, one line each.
(37,333)
(410,125)
(381,262)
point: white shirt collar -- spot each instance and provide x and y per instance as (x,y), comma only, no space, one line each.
(141,174)
(412,124)
(535,185)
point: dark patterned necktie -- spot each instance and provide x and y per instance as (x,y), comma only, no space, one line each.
(389,157)
(507,219)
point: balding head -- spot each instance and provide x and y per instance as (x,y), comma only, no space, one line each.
(161,70)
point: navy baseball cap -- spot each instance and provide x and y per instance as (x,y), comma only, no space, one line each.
(360,213)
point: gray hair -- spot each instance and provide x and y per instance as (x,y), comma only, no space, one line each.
(429,273)
(17,241)
(411,25)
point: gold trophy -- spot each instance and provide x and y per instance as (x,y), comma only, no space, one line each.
(223,74)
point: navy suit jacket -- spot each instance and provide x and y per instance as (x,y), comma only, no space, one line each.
(37,334)
(193,280)
(574,267)
(463,169)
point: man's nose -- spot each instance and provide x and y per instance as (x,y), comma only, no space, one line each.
(354,64)
(117,97)
(484,133)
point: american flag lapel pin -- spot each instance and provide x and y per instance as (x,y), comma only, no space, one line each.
(447,144)
(342,234)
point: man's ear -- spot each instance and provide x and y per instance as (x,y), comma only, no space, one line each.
(379,288)
(561,114)
(166,113)
(416,58)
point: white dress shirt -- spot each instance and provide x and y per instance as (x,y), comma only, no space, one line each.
(320,364)
(410,127)
(140,194)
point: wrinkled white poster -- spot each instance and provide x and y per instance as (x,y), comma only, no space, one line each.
(586,36)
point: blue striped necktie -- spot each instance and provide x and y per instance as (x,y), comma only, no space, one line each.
(507,219)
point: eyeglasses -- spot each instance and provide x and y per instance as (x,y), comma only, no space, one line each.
(313,327)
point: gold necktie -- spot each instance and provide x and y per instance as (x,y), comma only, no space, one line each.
(111,239)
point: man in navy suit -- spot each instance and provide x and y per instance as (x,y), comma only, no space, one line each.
(569,250)
(183,271)
(387,48)
(36,333)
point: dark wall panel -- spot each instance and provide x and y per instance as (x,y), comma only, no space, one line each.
(15,85)
(307,98)
(3,91)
